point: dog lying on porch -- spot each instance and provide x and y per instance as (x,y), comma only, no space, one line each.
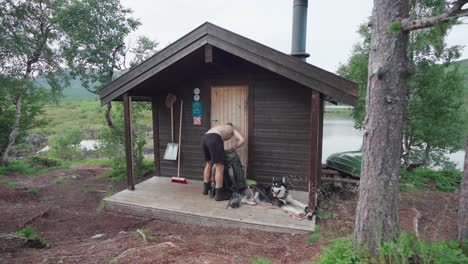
(277,194)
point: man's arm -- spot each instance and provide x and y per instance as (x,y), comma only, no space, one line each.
(240,138)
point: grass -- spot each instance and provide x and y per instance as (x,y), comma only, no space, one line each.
(64,178)
(145,234)
(260,260)
(23,167)
(405,249)
(422,178)
(315,236)
(9,184)
(86,115)
(68,114)
(31,235)
(91,189)
(34,191)
(16,166)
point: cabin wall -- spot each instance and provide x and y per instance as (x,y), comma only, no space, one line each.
(279,133)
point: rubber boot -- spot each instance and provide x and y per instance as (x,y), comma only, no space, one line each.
(222,194)
(206,188)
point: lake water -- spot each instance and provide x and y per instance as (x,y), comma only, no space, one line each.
(340,135)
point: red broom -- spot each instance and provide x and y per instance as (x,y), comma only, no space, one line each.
(179,179)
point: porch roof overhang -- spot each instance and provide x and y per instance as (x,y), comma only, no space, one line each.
(327,83)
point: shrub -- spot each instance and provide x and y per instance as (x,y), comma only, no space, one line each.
(40,162)
(113,144)
(66,145)
(33,239)
(406,249)
(445,180)
(16,166)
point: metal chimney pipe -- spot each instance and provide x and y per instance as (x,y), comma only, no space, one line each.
(299,30)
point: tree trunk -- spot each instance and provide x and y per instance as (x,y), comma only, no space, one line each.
(109,122)
(377,210)
(14,131)
(463,209)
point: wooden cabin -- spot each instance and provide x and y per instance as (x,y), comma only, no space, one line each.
(274,99)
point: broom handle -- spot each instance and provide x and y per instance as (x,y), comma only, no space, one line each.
(180,138)
(172,122)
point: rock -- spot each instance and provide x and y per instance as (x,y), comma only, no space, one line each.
(98,236)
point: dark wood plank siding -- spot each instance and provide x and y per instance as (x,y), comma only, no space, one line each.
(281,136)
(279,125)
(192,162)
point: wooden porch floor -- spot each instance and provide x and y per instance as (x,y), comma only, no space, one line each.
(158,198)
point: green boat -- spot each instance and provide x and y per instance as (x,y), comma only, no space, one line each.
(346,162)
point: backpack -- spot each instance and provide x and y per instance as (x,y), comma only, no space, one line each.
(233,175)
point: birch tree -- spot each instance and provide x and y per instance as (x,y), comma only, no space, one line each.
(96,48)
(30,37)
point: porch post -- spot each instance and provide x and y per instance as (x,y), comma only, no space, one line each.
(316,133)
(320,140)
(155,115)
(127,109)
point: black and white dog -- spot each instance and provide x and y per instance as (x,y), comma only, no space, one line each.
(276,194)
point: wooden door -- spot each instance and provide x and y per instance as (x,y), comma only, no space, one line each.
(230,104)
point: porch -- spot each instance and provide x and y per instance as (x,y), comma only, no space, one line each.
(158,198)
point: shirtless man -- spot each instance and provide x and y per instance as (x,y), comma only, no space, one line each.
(213,148)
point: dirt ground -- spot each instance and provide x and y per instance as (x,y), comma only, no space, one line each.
(65,207)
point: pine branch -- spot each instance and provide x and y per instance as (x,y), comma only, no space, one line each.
(454,12)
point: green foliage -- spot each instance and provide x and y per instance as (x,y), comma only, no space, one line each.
(95,46)
(9,184)
(28,232)
(444,180)
(113,143)
(16,166)
(356,69)
(91,189)
(144,234)
(394,27)
(33,100)
(29,46)
(23,167)
(434,121)
(31,235)
(341,251)
(66,145)
(314,238)
(34,191)
(406,249)
(260,260)
(41,162)
(144,49)
(68,114)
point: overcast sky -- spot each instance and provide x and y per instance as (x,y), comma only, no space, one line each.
(331,31)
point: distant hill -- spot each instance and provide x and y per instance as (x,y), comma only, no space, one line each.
(75,91)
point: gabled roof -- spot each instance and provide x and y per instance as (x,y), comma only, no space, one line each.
(280,63)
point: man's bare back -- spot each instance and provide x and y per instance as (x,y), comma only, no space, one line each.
(227,132)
